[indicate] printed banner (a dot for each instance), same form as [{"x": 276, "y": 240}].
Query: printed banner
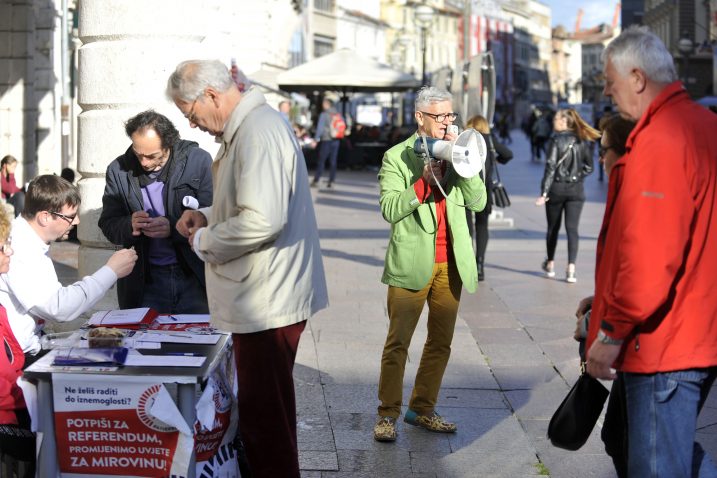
[
  {"x": 110, "y": 426},
  {"x": 217, "y": 422}
]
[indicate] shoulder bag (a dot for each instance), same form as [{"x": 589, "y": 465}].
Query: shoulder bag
[
  {"x": 499, "y": 195},
  {"x": 575, "y": 418}
]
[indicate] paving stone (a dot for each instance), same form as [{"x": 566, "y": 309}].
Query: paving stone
[
  {"x": 351, "y": 398},
  {"x": 465, "y": 463},
  {"x": 505, "y": 354},
  {"x": 470, "y": 398},
  {"x": 310, "y": 474},
  {"x": 318, "y": 460},
  {"x": 469, "y": 376},
  {"x": 504, "y": 336},
  {"x": 539, "y": 402},
  {"x": 358, "y": 474},
  {"x": 387, "y": 463},
  {"x": 525, "y": 377}
]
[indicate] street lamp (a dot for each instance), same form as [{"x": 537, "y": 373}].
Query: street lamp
[
  {"x": 685, "y": 47},
  {"x": 423, "y": 16}
]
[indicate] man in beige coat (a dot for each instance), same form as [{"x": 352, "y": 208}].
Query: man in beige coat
[{"x": 260, "y": 242}]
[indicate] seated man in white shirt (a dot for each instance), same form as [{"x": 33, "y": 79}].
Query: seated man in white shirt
[{"x": 30, "y": 290}]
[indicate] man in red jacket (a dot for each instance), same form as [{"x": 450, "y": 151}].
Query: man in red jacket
[{"x": 654, "y": 315}]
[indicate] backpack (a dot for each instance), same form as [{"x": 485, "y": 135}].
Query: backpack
[{"x": 337, "y": 127}]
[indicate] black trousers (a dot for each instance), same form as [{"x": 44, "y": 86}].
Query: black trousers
[
  {"x": 481, "y": 228},
  {"x": 564, "y": 199}
]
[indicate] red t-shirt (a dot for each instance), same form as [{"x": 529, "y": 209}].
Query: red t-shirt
[{"x": 423, "y": 190}]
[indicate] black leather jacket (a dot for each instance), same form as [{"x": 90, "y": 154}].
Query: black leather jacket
[{"x": 576, "y": 165}]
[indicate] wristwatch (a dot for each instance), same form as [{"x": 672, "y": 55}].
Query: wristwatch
[{"x": 605, "y": 339}]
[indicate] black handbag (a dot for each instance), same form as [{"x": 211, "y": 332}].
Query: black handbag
[
  {"x": 499, "y": 195},
  {"x": 575, "y": 418}
]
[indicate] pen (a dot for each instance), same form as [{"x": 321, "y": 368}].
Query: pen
[{"x": 182, "y": 354}]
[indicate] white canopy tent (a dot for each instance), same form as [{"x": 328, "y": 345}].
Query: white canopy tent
[{"x": 346, "y": 72}]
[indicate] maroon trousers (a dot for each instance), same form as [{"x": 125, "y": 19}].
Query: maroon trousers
[{"x": 267, "y": 405}]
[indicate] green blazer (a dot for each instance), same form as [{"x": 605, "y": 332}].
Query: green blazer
[{"x": 412, "y": 249}]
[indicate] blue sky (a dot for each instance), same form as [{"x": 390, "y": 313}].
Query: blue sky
[{"x": 565, "y": 12}]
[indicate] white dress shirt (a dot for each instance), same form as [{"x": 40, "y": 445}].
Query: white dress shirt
[{"x": 30, "y": 289}]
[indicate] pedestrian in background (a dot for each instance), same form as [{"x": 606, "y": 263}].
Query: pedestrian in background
[
  {"x": 497, "y": 152},
  {"x": 260, "y": 242},
  {"x": 615, "y": 131},
  {"x": 540, "y": 133},
  {"x": 429, "y": 260},
  {"x": 569, "y": 161},
  {"x": 606, "y": 113},
  {"x": 504, "y": 129},
  {"x": 284, "y": 108},
  {"x": 11, "y": 192},
  {"x": 329, "y": 142},
  {"x": 143, "y": 199},
  {"x": 653, "y": 314}
]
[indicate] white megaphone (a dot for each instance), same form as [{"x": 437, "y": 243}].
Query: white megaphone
[{"x": 467, "y": 152}]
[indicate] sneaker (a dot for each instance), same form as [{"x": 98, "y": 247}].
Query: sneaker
[
  {"x": 314, "y": 184},
  {"x": 549, "y": 270},
  {"x": 432, "y": 422},
  {"x": 385, "y": 429},
  {"x": 570, "y": 276},
  {"x": 329, "y": 184}
]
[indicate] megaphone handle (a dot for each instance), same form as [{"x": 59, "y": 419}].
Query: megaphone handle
[{"x": 426, "y": 156}]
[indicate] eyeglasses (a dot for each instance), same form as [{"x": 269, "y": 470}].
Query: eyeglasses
[
  {"x": 190, "y": 116},
  {"x": 440, "y": 118},
  {"x": 603, "y": 150},
  {"x": 69, "y": 219}
]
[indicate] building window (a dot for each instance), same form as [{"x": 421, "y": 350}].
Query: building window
[
  {"x": 323, "y": 45},
  {"x": 296, "y": 49},
  {"x": 324, "y": 5}
]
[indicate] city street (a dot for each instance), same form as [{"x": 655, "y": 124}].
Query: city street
[{"x": 513, "y": 357}]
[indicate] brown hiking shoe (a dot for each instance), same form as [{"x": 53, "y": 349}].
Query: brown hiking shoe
[
  {"x": 385, "y": 429},
  {"x": 433, "y": 422}
]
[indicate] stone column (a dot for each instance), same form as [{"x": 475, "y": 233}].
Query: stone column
[
  {"x": 129, "y": 48},
  {"x": 18, "y": 107},
  {"x": 48, "y": 87}
]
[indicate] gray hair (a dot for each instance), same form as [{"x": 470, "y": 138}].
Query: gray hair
[
  {"x": 637, "y": 47},
  {"x": 192, "y": 77},
  {"x": 431, "y": 94}
]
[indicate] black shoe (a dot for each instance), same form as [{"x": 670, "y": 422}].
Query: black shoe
[
  {"x": 481, "y": 272},
  {"x": 314, "y": 184},
  {"x": 329, "y": 184}
]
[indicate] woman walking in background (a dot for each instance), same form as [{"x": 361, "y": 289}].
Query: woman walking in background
[
  {"x": 496, "y": 152},
  {"x": 569, "y": 161}
]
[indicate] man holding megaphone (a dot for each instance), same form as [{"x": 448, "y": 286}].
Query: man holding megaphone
[{"x": 429, "y": 259}]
